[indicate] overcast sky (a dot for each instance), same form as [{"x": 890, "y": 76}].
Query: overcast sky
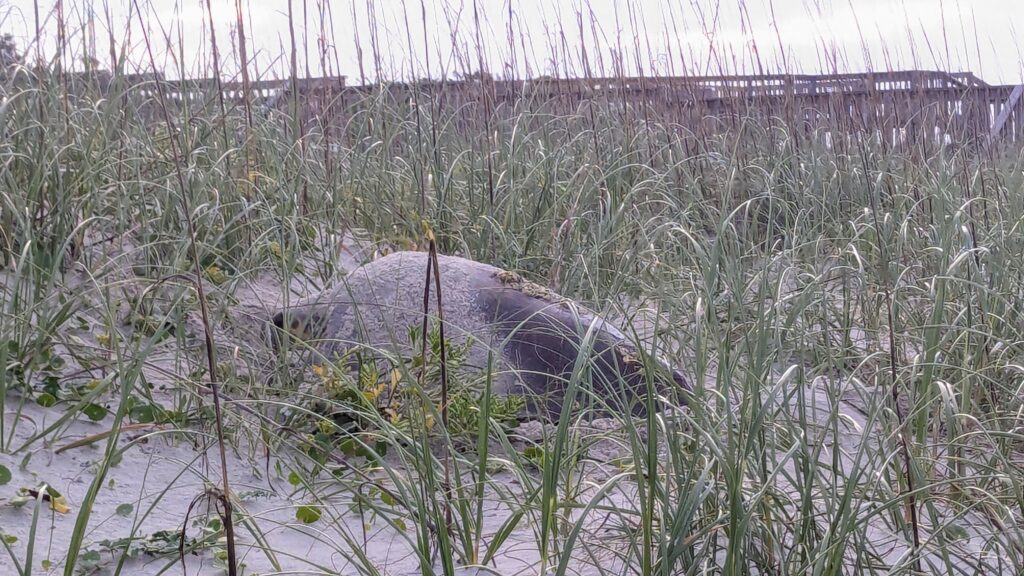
[{"x": 659, "y": 36}]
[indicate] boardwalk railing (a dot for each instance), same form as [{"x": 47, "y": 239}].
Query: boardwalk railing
[{"x": 900, "y": 106}]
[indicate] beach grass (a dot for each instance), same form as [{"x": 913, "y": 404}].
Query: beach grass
[{"x": 847, "y": 310}]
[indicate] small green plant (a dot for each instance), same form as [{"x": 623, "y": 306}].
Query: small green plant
[
  {"x": 465, "y": 406},
  {"x": 159, "y": 544},
  {"x": 348, "y": 395}
]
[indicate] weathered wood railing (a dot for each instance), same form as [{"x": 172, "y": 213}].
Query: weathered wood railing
[{"x": 901, "y": 106}]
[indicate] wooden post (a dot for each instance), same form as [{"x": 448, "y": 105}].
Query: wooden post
[{"x": 1004, "y": 114}]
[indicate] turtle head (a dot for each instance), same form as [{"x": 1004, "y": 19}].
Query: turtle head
[{"x": 301, "y": 322}]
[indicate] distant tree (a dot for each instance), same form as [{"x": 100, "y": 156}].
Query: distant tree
[{"x": 479, "y": 76}]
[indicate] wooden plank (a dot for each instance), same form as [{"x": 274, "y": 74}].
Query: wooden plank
[{"x": 1004, "y": 114}]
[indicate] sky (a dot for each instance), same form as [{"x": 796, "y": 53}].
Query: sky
[{"x": 403, "y": 39}]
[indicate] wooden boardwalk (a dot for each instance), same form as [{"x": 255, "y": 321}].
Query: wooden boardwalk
[{"x": 912, "y": 106}]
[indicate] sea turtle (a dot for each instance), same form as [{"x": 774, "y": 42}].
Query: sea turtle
[{"x": 534, "y": 333}]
